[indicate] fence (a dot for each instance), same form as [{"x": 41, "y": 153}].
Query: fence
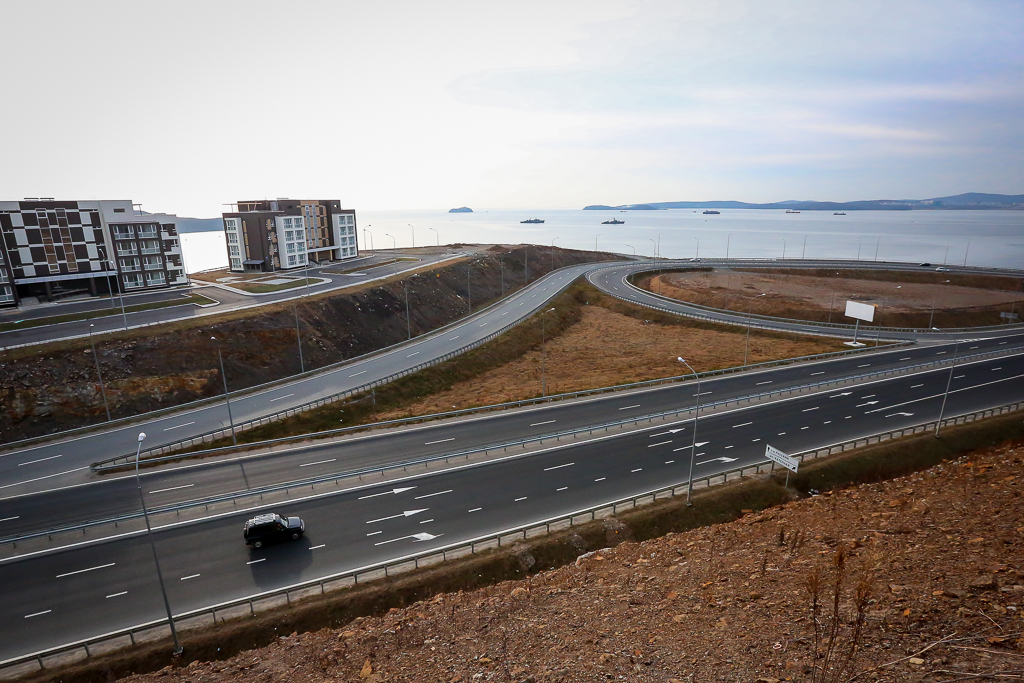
[{"x": 248, "y": 605}]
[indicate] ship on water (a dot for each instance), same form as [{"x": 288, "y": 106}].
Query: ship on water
[
  {"x": 791, "y": 211},
  {"x": 533, "y": 220},
  {"x": 614, "y": 221},
  {"x": 839, "y": 213},
  {"x": 712, "y": 213}
]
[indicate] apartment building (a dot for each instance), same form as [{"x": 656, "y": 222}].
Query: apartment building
[
  {"x": 51, "y": 249},
  {"x": 270, "y": 235}
]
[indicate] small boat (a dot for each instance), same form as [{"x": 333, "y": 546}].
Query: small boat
[
  {"x": 709, "y": 212},
  {"x": 791, "y": 211},
  {"x": 614, "y": 221},
  {"x": 839, "y": 213},
  {"x": 533, "y": 220}
]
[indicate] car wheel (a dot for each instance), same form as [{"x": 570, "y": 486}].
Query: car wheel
[
  {"x": 295, "y": 536},
  {"x": 257, "y": 544}
]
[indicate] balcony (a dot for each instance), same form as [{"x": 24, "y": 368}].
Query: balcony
[
  {"x": 155, "y": 279},
  {"x": 154, "y": 266},
  {"x": 150, "y": 250},
  {"x": 127, "y": 252},
  {"x": 132, "y": 284},
  {"x": 148, "y": 233},
  {"x": 130, "y": 269}
]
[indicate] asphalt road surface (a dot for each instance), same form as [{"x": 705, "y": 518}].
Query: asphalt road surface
[{"x": 57, "y": 597}]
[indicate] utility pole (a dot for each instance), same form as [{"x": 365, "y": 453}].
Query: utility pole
[
  {"x": 227, "y": 396},
  {"x": 99, "y": 374},
  {"x": 693, "y": 447},
  {"x": 298, "y": 338},
  {"x": 949, "y": 381}
]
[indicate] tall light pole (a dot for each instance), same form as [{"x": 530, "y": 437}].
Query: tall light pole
[
  {"x": 553, "y": 252},
  {"x": 783, "y": 249},
  {"x": 693, "y": 448},
  {"x": 803, "y": 252},
  {"x": 412, "y": 231},
  {"x": 408, "y": 319},
  {"x": 746, "y": 344},
  {"x": 152, "y": 546},
  {"x": 946, "y": 254},
  {"x": 931, "y": 317},
  {"x": 659, "y": 243},
  {"x": 120, "y": 293},
  {"x": 469, "y": 286},
  {"x": 305, "y": 260},
  {"x": 633, "y": 248},
  {"x": 298, "y": 338},
  {"x": 949, "y": 381},
  {"x": 858, "y": 250},
  {"x": 595, "y": 245},
  {"x": 543, "y": 355},
  {"x": 728, "y": 239},
  {"x": 697, "y": 255},
  {"x": 394, "y": 243},
  {"x": 110, "y": 285},
  {"x": 365, "y": 233},
  {"x": 966, "y": 252},
  {"x": 654, "y": 248},
  {"x": 878, "y": 243},
  {"x": 99, "y": 374},
  {"x": 437, "y": 235},
  {"x": 526, "y": 264},
  {"x": 227, "y": 396}
]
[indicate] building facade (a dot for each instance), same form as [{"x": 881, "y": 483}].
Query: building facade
[
  {"x": 270, "y": 235},
  {"x": 50, "y": 249}
]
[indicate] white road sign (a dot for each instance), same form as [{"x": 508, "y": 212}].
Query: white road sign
[
  {"x": 778, "y": 457},
  {"x": 865, "y": 312}
]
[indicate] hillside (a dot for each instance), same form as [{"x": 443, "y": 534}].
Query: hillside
[{"x": 969, "y": 200}]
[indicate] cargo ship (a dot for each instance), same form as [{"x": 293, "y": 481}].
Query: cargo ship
[
  {"x": 710, "y": 212},
  {"x": 533, "y": 220},
  {"x": 614, "y": 221}
]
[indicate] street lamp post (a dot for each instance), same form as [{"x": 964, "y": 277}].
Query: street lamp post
[
  {"x": 469, "y": 286},
  {"x": 697, "y": 255},
  {"x": 305, "y": 259},
  {"x": 120, "y": 294},
  {"x": 949, "y": 381},
  {"x": 365, "y": 233},
  {"x": 728, "y": 239},
  {"x": 746, "y": 344},
  {"x": 595, "y": 245},
  {"x": 878, "y": 243},
  {"x": 408, "y": 319},
  {"x": 526, "y": 265},
  {"x": 394, "y": 242},
  {"x": 437, "y": 235},
  {"x": 858, "y": 250},
  {"x": 552, "y": 253},
  {"x": 298, "y": 338},
  {"x": 99, "y": 374},
  {"x": 227, "y": 396},
  {"x": 412, "y": 231},
  {"x": 803, "y": 252},
  {"x": 654, "y": 248},
  {"x": 633, "y": 248},
  {"x": 543, "y": 355},
  {"x": 967, "y": 251},
  {"x": 783, "y": 249},
  {"x": 693, "y": 447},
  {"x": 152, "y": 546},
  {"x": 946, "y": 254}
]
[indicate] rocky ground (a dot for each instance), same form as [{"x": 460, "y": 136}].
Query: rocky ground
[{"x": 915, "y": 579}]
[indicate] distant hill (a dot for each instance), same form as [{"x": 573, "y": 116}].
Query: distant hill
[
  {"x": 199, "y": 224},
  {"x": 968, "y": 200},
  {"x": 461, "y": 209}
]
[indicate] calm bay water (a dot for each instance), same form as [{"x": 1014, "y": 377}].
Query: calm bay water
[{"x": 996, "y": 237}]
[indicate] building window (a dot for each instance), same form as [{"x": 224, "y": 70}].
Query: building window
[
  {"x": 123, "y": 232},
  {"x": 133, "y": 281},
  {"x": 232, "y": 238},
  {"x": 155, "y": 278},
  {"x": 150, "y": 247},
  {"x": 233, "y": 250},
  {"x": 153, "y": 263},
  {"x": 236, "y": 264},
  {"x": 147, "y": 231},
  {"x": 129, "y": 265}
]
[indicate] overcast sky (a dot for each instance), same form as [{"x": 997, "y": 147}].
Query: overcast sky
[{"x": 185, "y": 106}]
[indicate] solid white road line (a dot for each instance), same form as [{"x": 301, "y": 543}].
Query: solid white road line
[
  {"x": 182, "y": 425},
  {"x": 115, "y": 595},
  {"x": 173, "y": 488},
  {"x": 38, "y": 614},
  {"x": 318, "y": 462},
  {"x": 558, "y": 467},
  {"x": 430, "y": 495},
  {"x": 374, "y": 533},
  {"x": 426, "y": 521},
  {"x": 279, "y": 398},
  {"x": 32, "y": 462},
  {"x": 361, "y": 372},
  {"x": 262, "y": 559},
  {"x": 82, "y": 571},
  {"x": 628, "y": 407},
  {"x": 190, "y": 576},
  {"x": 429, "y": 443},
  {"x": 538, "y": 424}
]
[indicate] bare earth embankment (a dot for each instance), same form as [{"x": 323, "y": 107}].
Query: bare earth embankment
[{"x": 930, "y": 589}]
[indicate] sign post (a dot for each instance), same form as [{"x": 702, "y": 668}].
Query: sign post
[
  {"x": 777, "y": 456},
  {"x": 859, "y": 311}
]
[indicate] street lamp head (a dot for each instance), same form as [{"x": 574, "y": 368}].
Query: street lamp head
[
  {"x": 680, "y": 359},
  {"x": 142, "y": 436}
]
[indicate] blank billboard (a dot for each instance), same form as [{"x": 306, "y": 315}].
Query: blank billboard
[{"x": 865, "y": 312}]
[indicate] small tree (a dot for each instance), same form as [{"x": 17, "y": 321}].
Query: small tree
[{"x": 836, "y": 646}]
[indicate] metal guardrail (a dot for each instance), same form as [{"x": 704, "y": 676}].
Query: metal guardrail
[
  {"x": 273, "y": 383},
  {"x": 404, "y": 465},
  {"x": 147, "y": 455},
  {"x": 247, "y": 606},
  {"x": 769, "y": 318}
]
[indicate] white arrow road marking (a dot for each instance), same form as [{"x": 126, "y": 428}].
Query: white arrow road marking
[
  {"x": 422, "y": 536},
  {"x": 869, "y": 403},
  {"x": 845, "y": 393},
  {"x": 671, "y": 431},
  {"x": 717, "y": 460},
  {"x": 698, "y": 444},
  {"x": 385, "y": 493},
  {"x": 904, "y": 414},
  {"x": 407, "y": 513}
]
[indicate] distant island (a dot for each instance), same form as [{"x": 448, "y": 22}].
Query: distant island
[
  {"x": 461, "y": 209},
  {"x": 969, "y": 200}
]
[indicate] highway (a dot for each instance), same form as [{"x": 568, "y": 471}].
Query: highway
[
  {"x": 56, "y": 597},
  {"x": 103, "y": 497}
]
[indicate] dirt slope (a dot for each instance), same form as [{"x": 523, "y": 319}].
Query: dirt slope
[{"x": 937, "y": 555}]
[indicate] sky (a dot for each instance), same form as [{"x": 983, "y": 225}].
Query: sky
[{"x": 187, "y": 106}]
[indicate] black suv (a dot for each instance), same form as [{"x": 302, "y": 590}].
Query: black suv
[{"x": 270, "y": 527}]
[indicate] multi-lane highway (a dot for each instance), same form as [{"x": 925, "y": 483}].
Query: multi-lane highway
[{"x": 55, "y": 597}]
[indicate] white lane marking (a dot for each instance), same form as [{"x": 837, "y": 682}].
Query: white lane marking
[
  {"x": 807, "y": 410},
  {"x": 817, "y": 373},
  {"x": 519, "y": 499},
  {"x": 827, "y": 422},
  {"x": 82, "y": 571},
  {"x": 358, "y": 373},
  {"x": 32, "y": 462},
  {"x": 727, "y": 447},
  {"x": 702, "y": 393},
  {"x": 916, "y": 386},
  {"x": 971, "y": 347},
  {"x": 993, "y": 369},
  {"x": 868, "y": 396},
  {"x": 669, "y": 462},
  {"x": 116, "y": 595},
  {"x": 683, "y": 448},
  {"x": 903, "y": 414},
  {"x": 318, "y": 462},
  {"x": 628, "y": 407},
  {"x": 939, "y": 353},
  {"x": 805, "y": 428},
  {"x": 908, "y": 357},
  {"x": 9, "y": 519},
  {"x": 760, "y": 383},
  {"x": 426, "y": 521},
  {"x": 848, "y": 417},
  {"x": 414, "y": 353},
  {"x": 845, "y": 393},
  {"x": 754, "y": 440},
  {"x": 190, "y": 576},
  {"x": 422, "y": 536},
  {"x": 429, "y": 443},
  {"x": 429, "y": 495},
  {"x": 742, "y": 425},
  {"x": 869, "y": 403},
  {"x": 38, "y": 614},
  {"x": 959, "y": 376},
  {"x": 262, "y": 559},
  {"x": 660, "y": 443},
  {"x": 671, "y": 431},
  {"x": 406, "y": 513},
  {"x": 505, "y": 313},
  {"x": 639, "y": 469},
  {"x": 317, "y": 547},
  {"x": 483, "y": 324},
  {"x": 705, "y": 462},
  {"x": 374, "y": 533},
  {"x": 454, "y": 338},
  {"x": 475, "y": 510},
  {"x": 538, "y": 424},
  {"x": 1001, "y": 343},
  {"x": 781, "y": 434},
  {"x": 601, "y": 479},
  {"x": 558, "y": 467},
  {"x": 173, "y": 488},
  {"x": 279, "y": 398},
  {"x": 561, "y": 489},
  {"x": 386, "y": 493},
  {"x": 866, "y": 365}
]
